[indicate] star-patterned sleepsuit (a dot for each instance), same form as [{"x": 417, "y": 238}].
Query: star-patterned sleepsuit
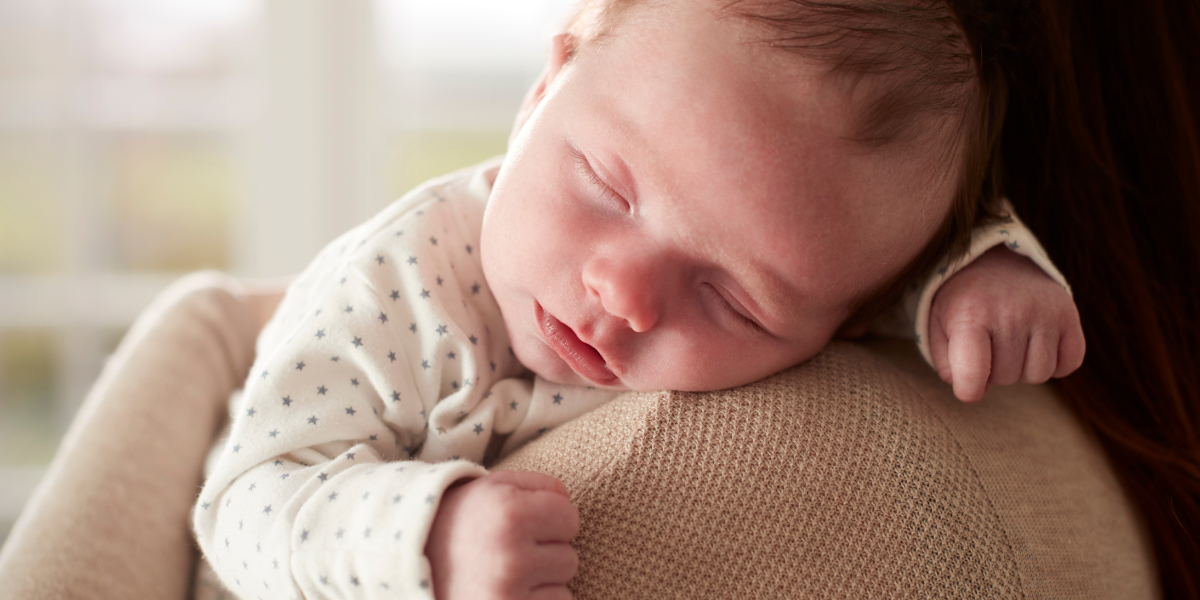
[{"x": 384, "y": 376}]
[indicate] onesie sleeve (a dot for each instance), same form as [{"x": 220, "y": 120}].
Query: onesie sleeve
[
  {"x": 910, "y": 319},
  {"x": 384, "y": 377}
]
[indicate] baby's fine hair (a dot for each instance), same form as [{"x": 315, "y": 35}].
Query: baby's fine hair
[{"x": 909, "y": 66}]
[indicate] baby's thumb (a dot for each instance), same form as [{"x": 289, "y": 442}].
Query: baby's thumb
[
  {"x": 970, "y": 358},
  {"x": 530, "y": 481},
  {"x": 938, "y": 348}
]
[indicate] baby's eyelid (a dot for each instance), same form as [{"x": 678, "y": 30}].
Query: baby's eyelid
[
  {"x": 585, "y": 166},
  {"x": 733, "y": 311}
]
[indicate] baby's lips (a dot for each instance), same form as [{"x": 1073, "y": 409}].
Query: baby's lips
[{"x": 579, "y": 355}]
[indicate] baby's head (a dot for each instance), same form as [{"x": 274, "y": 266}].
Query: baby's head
[{"x": 700, "y": 193}]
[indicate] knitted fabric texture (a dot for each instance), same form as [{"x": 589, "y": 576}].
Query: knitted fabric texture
[{"x": 837, "y": 479}]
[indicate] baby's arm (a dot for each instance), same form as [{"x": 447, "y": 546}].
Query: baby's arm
[
  {"x": 1000, "y": 315},
  {"x": 389, "y": 347}
]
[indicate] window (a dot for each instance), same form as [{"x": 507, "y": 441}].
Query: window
[{"x": 142, "y": 139}]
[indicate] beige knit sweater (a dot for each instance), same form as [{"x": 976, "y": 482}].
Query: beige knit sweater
[{"x": 855, "y": 475}]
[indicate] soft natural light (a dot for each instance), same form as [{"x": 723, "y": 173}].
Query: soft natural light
[
  {"x": 472, "y": 35},
  {"x": 168, "y": 35},
  {"x": 142, "y": 139}
]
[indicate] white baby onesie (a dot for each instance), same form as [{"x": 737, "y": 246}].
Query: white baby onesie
[{"x": 385, "y": 376}]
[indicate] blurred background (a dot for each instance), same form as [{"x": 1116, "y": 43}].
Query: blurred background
[{"x": 143, "y": 139}]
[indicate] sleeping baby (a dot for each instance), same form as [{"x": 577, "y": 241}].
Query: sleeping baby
[{"x": 698, "y": 194}]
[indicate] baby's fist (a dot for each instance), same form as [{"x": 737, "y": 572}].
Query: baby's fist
[
  {"x": 504, "y": 535},
  {"x": 1002, "y": 320}
]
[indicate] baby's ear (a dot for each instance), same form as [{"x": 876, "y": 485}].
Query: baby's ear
[{"x": 562, "y": 47}]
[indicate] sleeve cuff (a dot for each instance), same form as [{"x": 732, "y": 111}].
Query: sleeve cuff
[{"x": 1008, "y": 230}]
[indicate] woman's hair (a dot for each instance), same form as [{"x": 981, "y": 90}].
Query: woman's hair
[
  {"x": 1101, "y": 156},
  {"x": 1086, "y": 115}
]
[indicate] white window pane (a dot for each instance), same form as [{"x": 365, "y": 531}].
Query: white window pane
[
  {"x": 30, "y": 204},
  {"x": 193, "y": 37},
  {"x": 173, "y": 201},
  {"x": 423, "y": 155},
  {"x": 29, "y": 430},
  {"x": 463, "y": 64},
  {"x": 446, "y": 35}
]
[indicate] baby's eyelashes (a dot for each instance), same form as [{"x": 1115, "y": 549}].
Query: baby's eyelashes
[
  {"x": 730, "y": 312},
  {"x": 589, "y": 174}
]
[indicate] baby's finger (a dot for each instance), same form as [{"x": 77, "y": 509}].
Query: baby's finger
[
  {"x": 555, "y": 564},
  {"x": 556, "y": 592},
  {"x": 1008, "y": 356},
  {"x": 1041, "y": 357},
  {"x": 939, "y": 346},
  {"x": 1071, "y": 349},
  {"x": 970, "y": 356},
  {"x": 530, "y": 480},
  {"x": 552, "y": 518},
  {"x": 939, "y": 349}
]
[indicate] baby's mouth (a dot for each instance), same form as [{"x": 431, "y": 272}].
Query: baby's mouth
[{"x": 579, "y": 355}]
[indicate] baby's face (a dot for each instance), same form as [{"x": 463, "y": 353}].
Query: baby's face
[{"x": 682, "y": 210}]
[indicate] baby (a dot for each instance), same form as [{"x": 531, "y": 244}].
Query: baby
[{"x": 688, "y": 203}]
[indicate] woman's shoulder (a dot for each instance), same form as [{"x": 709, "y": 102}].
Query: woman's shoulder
[{"x": 856, "y": 471}]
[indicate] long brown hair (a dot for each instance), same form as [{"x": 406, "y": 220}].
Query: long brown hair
[{"x": 1101, "y": 157}]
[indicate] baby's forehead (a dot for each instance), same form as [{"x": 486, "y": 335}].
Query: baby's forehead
[{"x": 905, "y": 68}]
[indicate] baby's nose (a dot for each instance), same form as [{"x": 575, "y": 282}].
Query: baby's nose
[{"x": 627, "y": 289}]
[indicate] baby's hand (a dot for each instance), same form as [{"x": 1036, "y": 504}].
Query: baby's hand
[
  {"x": 504, "y": 535},
  {"x": 1002, "y": 320}
]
